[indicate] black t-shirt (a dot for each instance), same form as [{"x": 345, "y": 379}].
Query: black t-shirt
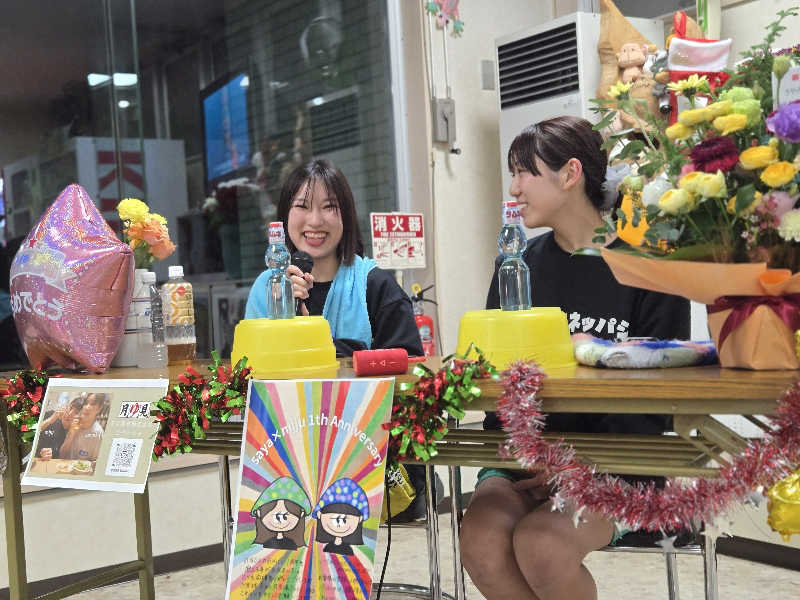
[
  {"x": 596, "y": 303},
  {"x": 52, "y": 437},
  {"x": 390, "y": 315}
]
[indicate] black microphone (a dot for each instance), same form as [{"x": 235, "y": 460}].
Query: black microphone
[{"x": 304, "y": 262}]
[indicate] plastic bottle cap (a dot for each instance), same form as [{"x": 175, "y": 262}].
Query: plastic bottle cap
[
  {"x": 149, "y": 277},
  {"x": 175, "y": 271}
]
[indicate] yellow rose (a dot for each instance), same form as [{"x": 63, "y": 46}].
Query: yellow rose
[
  {"x": 712, "y": 185},
  {"x": 675, "y": 201},
  {"x": 678, "y": 131},
  {"x": 690, "y": 181},
  {"x": 730, "y": 123},
  {"x": 778, "y": 174},
  {"x": 693, "y": 116},
  {"x": 133, "y": 210},
  {"x": 758, "y": 157},
  {"x": 159, "y": 218},
  {"x": 732, "y": 205},
  {"x": 720, "y": 109}
]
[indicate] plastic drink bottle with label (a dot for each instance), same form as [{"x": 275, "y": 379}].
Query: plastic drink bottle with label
[
  {"x": 152, "y": 349},
  {"x": 280, "y": 297},
  {"x": 178, "y": 306},
  {"x": 514, "y": 276}
]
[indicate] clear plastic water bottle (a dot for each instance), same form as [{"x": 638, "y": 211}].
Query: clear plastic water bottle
[
  {"x": 514, "y": 276},
  {"x": 280, "y": 297},
  {"x": 152, "y": 349}
]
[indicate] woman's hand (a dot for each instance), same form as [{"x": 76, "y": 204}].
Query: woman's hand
[
  {"x": 301, "y": 283},
  {"x": 536, "y": 487}
]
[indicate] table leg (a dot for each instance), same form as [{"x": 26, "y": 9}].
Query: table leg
[
  {"x": 144, "y": 544},
  {"x": 710, "y": 567},
  {"x": 15, "y": 532},
  {"x": 454, "y": 476},
  {"x": 227, "y": 515},
  {"x": 433, "y": 533}
]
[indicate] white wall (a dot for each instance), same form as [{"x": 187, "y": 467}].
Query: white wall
[
  {"x": 746, "y": 24},
  {"x": 466, "y": 187}
]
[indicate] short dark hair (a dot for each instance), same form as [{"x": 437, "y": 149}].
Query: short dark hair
[
  {"x": 336, "y": 184},
  {"x": 557, "y": 140},
  {"x": 296, "y": 534}
]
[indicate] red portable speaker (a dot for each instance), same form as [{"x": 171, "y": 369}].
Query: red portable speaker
[{"x": 392, "y": 361}]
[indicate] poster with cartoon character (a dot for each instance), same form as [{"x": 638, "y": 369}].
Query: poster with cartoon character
[{"x": 310, "y": 489}]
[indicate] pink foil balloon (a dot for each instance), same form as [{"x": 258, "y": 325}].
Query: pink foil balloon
[{"x": 71, "y": 286}]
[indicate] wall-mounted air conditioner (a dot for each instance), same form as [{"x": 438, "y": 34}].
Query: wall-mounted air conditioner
[{"x": 551, "y": 70}]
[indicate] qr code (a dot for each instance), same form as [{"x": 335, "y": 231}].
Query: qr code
[{"x": 123, "y": 457}]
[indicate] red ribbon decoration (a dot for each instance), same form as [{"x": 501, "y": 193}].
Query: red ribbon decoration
[{"x": 786, "y": 307}]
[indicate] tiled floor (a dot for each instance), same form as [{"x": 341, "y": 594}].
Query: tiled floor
[{"x": 619, "y": 576}]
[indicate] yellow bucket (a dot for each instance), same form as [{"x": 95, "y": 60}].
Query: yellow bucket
[
  {"x": 298, "y": 348},
  {"x": 540, "y": 334}
]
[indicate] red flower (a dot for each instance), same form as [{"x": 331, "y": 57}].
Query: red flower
[{"x": 715, "y": 154}]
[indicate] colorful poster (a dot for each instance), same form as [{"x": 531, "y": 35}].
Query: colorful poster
[
  {"x": 310, "y": 489},
  {"x": 95, "y": 434}
]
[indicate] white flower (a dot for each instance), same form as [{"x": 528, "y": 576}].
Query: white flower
[
  {"x": 210, "y": 204},
  {"x": 789, "y": 228},
  {"x": 655, "y": 189}
]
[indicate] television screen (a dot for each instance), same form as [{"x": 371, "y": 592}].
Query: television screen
[{"x": 226, "y": 138}]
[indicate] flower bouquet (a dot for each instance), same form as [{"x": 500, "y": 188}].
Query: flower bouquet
[
  {"x": 718, "y": 187},
  {"x": 145, "y": 232}
]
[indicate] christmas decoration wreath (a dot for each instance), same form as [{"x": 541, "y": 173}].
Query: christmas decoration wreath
[
  {"x": 186, "y": 412},
  {"x": 418, "y": 420}
]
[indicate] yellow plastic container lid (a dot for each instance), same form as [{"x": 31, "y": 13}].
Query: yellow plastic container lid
[
  {"x": 298, "y": 348},
  {"x": 540, "y": 334}
]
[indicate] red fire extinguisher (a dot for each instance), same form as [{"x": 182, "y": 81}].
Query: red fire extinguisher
[{"x": 423, "y": 321}]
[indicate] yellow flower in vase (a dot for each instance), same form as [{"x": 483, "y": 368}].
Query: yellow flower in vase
[
  {"x": 758, "y": 157},
  {"x": 133, "y": 210},
  {"x": 730, "y": 123},
  {"x": 778, "y": 174}
]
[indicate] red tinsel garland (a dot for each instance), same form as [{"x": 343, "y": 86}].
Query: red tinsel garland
[
  {"x": 186, "y": 412},
  {"x": 643, "y": 506}
]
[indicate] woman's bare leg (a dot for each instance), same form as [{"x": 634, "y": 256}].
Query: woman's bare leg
[
  {"x": 486, "y": 539},
  {"x": 549, "y": 551}
]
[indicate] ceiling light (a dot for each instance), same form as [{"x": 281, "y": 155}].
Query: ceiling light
[
  {"x": 96, "y": 79},
  {"x": 124, "y": 104},
  {"x": 120, "y": 79},
  {"x": 125, "y": 79}
]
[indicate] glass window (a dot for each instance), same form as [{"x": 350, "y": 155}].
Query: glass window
[{"x": 173, "y": 102}]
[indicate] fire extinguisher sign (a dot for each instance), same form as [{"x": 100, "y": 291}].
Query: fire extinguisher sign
[{"x": 398, "y": 240}]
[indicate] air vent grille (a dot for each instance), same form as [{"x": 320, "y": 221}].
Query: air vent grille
[{"x": 539, "y": 66}]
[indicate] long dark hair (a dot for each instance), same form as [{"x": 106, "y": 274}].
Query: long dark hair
[
  {"x": 336, "y": 185},
  {"x": 297, "y": 534},
  {"x": 557, "y": 140}
]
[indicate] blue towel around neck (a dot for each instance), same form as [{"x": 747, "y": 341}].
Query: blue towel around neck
[{"x": 346, "y": 305}]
